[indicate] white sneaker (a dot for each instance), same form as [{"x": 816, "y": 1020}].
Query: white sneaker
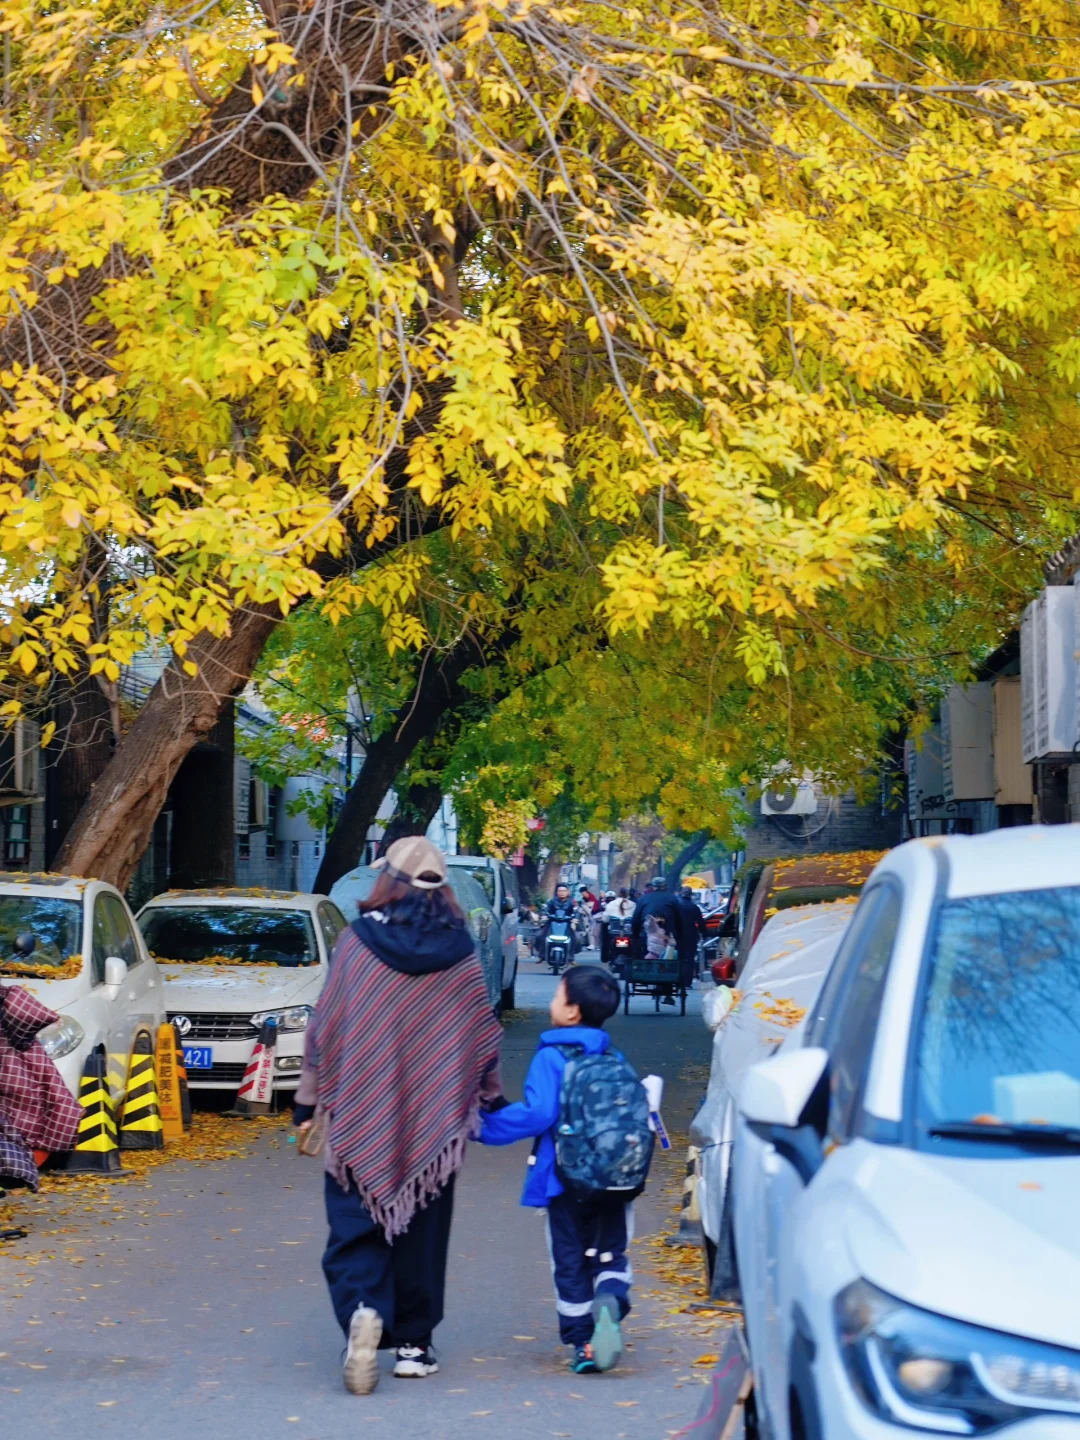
[
  {"x": 415, "y": 1361},
  {"x": 362, "y": 1357}
]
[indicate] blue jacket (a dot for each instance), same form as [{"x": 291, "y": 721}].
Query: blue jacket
[{"x": 538, "y": 1113}]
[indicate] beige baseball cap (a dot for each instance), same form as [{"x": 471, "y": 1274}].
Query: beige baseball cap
[{"x": 416, "y": 860}]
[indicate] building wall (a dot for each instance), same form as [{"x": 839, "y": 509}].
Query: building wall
[{"x": 841, "y": 824}]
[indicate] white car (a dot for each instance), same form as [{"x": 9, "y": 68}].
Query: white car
[
  {"x": 232, "y": 958},
  {"x": 783, "y": 974},
  {"x": 75, "y": 944},
  {"x": 906, "y": 1171}
]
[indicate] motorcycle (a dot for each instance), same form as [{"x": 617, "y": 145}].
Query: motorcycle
[
  {"x": 558, "y": 945},
  {"x": 619, "y": 942}
]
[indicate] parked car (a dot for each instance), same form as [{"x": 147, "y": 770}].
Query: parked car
[
  {"x": 500, "y": 884},
  {"x": 765, "y": 886},
  {"x": 785, "y": 970},
  {"x": 75, "y": 944},
  {"x": 481, "y": 919},
  {"x": 230, "y": 960},
  {"x": 906, "y": 1170}
]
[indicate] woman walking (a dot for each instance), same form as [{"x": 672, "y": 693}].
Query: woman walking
[{"x": 401, "y": 1052}]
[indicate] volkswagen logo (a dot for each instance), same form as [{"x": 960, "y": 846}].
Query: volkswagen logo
[{"x": 183, "y": 1024}]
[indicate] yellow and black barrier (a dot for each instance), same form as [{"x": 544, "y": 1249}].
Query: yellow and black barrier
[
  {"x": 141, "y": 1127},
  {"x": 95, "y": 1151}
]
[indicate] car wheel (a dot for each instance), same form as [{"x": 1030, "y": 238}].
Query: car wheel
[
  {"x": 708, "y": 1250},
  {"x": 804, "y": 1418},
  {"x": 507, "y": 1000}
]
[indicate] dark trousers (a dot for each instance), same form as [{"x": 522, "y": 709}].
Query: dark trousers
[
  {"x": 587, "y": 1241},
  {"x": 687, "y": 966},
  {"x": 405, "y": 1282}
]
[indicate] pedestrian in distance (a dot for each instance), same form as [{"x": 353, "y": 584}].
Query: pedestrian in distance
[
  {"x": 658, "y": 924},
  {"x": 693, "y": 931},
  {"x": 401, "y": 1054},
  {"x": 587, "y": 1114}
]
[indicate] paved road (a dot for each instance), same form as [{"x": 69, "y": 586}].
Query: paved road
[{"x": 194, "y": 1305}]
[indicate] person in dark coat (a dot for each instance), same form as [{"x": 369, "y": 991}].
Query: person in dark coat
[
  {"x": 693, "y": 931},
  {"x": 657, "y": 921}
]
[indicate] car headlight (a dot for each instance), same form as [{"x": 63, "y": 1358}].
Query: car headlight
[
  {"x": 294, "y": 1019},
  {"x": 918, "y": 1369},
  {"x": 61, "y": 1038}
]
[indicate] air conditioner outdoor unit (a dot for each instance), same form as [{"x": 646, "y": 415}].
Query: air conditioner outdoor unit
[
  {"x": 1048, "y": 674},
  {"x": 789, "y": 797}
]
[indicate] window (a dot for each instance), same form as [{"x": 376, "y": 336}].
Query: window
[
  {"x": 54, "y": 925},
  {"x": 847, "y": 1020},
  {"x": 229, "y": 935},
  {"x": 243, "y": 850},
  {"x": 998, "y": 1044},
  {"x": 17, "y": 836},
  {"x": 331, "y": 923},
  {"x": 486, "y": 879},
  {"x": 112, "y": 936},
  {"x": 510, "y": 884}
]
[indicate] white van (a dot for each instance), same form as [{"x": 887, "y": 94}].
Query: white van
[{"x": 75, "y": 945}]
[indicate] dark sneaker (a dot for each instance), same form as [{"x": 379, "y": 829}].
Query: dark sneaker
[
  {"x": 607, "y": 1341},
  {"x": 583, "y": 1362},
  {"x": 667, "y": 1000},
  {"x": 362, "y": 1356},
  {"x": 414, "y": 1362}
]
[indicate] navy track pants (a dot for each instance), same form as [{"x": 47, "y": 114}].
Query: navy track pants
[{"x": 588, "y": 1241}]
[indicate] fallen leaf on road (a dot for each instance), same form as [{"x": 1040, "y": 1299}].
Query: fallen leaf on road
[
  {"x": 292, "y": 1419},
  {"x": 104, "y": 1404},
  {"x": 706, "y": 1359},
  {"x": 524, "y": 1337},
  {"x": 248, "y": 1332},
  {"x": 457, "y": 1392},
  {"x": 479, "y": 1412},
  {"x": 625, "y": 1404}
]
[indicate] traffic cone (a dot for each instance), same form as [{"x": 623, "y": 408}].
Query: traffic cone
[
  {"x": 95, "y": 1151},
  {"x": 689, "y": 1231},
  {"x": 140, "y": 1128},
  {"x": 257, "y": 1086},
  {"x": 181, "y": 1070},
  {"x": 168, "y": 1080}
]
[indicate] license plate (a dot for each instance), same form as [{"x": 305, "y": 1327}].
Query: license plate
[{"x": 198, "y": 1057}]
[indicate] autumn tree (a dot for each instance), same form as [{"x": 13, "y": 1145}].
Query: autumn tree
[{"x": 781, "y": 295}]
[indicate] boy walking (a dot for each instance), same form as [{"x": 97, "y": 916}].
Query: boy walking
[{"x": 588, "y": 1114}]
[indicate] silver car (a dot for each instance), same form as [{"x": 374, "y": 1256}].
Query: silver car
[{"x": 783, "y": 975}]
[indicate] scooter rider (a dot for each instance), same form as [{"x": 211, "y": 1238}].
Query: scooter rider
[{"x": 560, "y": 907}]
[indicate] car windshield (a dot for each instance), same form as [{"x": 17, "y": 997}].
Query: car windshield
[
  {"x": 40, "y": 937},
  {"x": 229, "y": 935},
  {"x": 1000, "y": 1034}
]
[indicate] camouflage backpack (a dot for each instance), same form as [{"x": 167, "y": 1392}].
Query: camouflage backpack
[{"x": 603, "y": 1143}]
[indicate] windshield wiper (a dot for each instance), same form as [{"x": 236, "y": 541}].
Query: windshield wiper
[{"x": 1051, "y": 1135}]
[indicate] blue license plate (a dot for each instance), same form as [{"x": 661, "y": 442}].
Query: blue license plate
[{"x": 198, "y": 1057}]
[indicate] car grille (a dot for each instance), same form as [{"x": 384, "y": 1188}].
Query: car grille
[
  {"x": 223, "y": 1074},
  {"x": 217, "y": 1027}
]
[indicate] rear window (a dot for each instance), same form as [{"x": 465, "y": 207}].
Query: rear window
[
  {"x": 40, "y": 938},
  {"x": 227, "y": 935}
]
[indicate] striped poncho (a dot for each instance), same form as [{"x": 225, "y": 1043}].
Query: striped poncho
[{"x": 400, "y": 1062}]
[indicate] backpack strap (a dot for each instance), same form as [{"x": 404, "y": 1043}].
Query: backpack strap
[{"x": 569, "y": 1051}]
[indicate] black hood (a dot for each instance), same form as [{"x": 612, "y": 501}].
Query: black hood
[{"x": 415, "y": 949}]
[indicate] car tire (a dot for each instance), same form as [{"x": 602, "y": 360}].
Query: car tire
[
  {"x": 506, "y": 1000},
  {"x": 804, "y": 1418}
]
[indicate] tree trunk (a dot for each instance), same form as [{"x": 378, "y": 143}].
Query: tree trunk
[
  {"x": 204, "y": 811},
  {"x": 438, "y": 692},
  {"x": 82, "y": 749},
  {"x": 114, "y": 827},
  {"x": 686, "y": 857},
  {"x": 417, "y": 807},
  {"x": 244, "y": 151},
  {"x": 549, "y": 876}
]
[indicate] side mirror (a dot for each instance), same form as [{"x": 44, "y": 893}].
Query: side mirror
[
  {"x": 729, "y": 929},
  {"x": 508, "y": 906},
  {"x": 778, "y": 1100},
  {"x": 115, "y": 971}
]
